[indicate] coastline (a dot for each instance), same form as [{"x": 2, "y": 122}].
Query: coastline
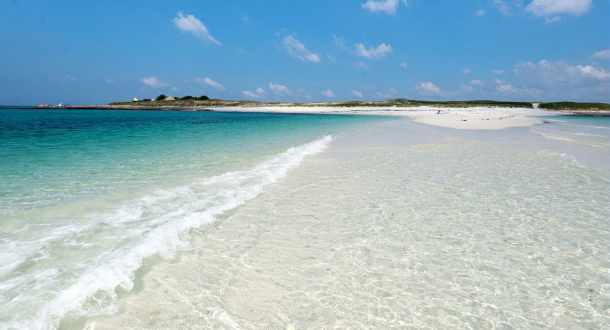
[{"x": 471, "y": 117}]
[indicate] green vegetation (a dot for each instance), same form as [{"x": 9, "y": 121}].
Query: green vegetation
[
  {"x": 575, "y": 106},
  {"x": 202, "y": 102}
]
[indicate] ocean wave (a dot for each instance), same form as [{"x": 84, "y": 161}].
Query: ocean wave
[{"x": 163, "y": 221}]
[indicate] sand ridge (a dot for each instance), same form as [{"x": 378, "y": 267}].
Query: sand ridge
[{"x": 478, "y": 118}]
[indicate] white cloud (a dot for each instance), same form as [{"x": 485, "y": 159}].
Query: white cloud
[
  {"x": 386, "y": 6},
  {"x": 593, "y": 72},
  {"x": 258, "y": 93},
  {"x": 373, "y": 53},
  {"x": 510, "y": 89},
  {"x": 175, "y": 89},
  {"x": 331, "y": 58},
  {"x": 605, "y": 54},
  {"x": 403, "y": 65},
  {"x": 384, "y": 95},
  {"x": 153, "y": 82},
  {"x": 564, "y": 80},
  {"x": 502, "y": 7},
  {"x": 427, "y": 88},
  {"x": 328, "y": 93},
  {"x": 497, "y": 71},
  {"x": 557, "y": 7},
  {"x": 280, "y": 89},
  {"x": 477, "y": 82},
  {"x": 559, "y": 73},
  {"x": 192, "y": 25},
  {"x": 480, "y": 12},
  {"x": 110, "y": 81},
  {"x": 356, "y": 94},
  {"x": 465, "y": 71},
  {"x": 214, "y": 84},
  {"x": 297, "y": 50},
  {"x": 551, "y": 20}
]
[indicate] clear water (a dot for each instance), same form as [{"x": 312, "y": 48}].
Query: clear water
[
  {"x": 87, "y": 197},
  {"x": 404, "y": 226},
  {"x": 389, "y": 224}
]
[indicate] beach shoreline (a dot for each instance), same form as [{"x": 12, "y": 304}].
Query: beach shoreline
[{"x": 477, "y": 118}]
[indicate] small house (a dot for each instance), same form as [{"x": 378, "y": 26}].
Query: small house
[
  {"x": 170, "y": 98},
  {"x": 135, "y": 99}
]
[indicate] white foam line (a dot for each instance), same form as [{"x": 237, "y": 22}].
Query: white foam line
[{"x": 116, "y": 269}]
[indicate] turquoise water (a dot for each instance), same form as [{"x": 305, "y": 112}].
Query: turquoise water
[{"x": 88, "y": 197}]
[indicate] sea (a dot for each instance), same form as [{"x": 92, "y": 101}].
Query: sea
[{"x": 212, "y": 220}]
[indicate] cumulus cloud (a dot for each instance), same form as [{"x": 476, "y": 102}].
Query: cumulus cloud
[
  {"x": 465, "y": 70},
  {"x": 559, "y": 73},
  {"x": 480, "y": 12},
  {"x": 558, "y": 7},
  {"x": 258, "y": 93},
  {"x": 403, "y": 65},
  {"x": 428, "y": 88},
  {"x": 214, "y": 84},
  {"x": 604, "y": 54},
  {"x": 328, "y": 93},
  {"x": 280, "y": 90},
  {"x": 297, "y": 50},
  {"x": 593, "y": 72},
  {"x": 477, "y": 82},
  {"x": 497, "y": 71},
  {"x": 373, "y": 53},
  {"x": 356, "y": 94},
  {"x": 192, "y": 25},
  {"x": 563, "y": 79},
  {"x": 153, "y": 82},
  {"x": 385, "y": 6}
]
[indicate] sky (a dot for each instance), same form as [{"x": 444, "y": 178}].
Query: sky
[{"x": 96, "y": 52}]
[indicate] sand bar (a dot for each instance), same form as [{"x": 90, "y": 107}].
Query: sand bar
[{"x": 479, "y": 118}]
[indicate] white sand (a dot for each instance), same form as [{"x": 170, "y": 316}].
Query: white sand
[{"x": 481, "y": 118}]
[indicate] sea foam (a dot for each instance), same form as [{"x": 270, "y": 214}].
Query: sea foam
[{"x": 164, "y": 221}]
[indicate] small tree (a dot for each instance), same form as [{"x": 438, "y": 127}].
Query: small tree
[
  {"x": 203, "y": 98},
  {"x": 161, "y": 97},
  {"x": 188, "y": 97}
]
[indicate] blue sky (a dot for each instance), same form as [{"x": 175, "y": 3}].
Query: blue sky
[{"x": 90, "y": 52}]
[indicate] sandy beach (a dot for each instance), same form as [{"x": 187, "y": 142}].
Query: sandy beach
[{"x": 481, "y": 118}]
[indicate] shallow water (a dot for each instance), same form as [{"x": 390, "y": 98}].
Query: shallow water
[
  {"x": 402, "y": 226},
  {"x": 389, "y": 225},
  {"x": 89, "y": 196}
]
